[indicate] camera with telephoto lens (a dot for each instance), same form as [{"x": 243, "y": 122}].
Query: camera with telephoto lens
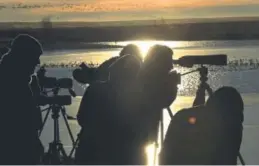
[
  {"x": 55, "y": 85},
  {"x": 56, "y": 99},
  {"x": 191, "y": 60},
  {"x": 52, "y": 82}
]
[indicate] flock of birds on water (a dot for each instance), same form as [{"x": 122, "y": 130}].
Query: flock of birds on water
[
  {"x": 36, "y": 6},
  {"x": 233, "y": 65},
  {"x": 190, "y": 82},
  {"x": 66, "y": 6}
]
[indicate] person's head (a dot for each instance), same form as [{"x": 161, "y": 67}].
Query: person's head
[
  {"x": 124, "y": 69},
  {"x": 24, "y": 54},
  {"x": 158, "y": 60},
  {"x": 131, "y": 49},
  {"x": 228, "y": 101}
]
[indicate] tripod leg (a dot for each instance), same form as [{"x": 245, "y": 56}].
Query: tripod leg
[
  {"x": 74, "y": 147},
  {"x": 162, "y": 137},
  {"x": 56, "y": 131},
  {"x": 162, "y": 127},
  {"x": 209, "y": 90},
  {"x": 67, "y": 125},
  {"x": 52, "y": 156},
  {"x": 44, "y": 121},
  {"x": 62, "y": 150},
  {"x": 170, "y": 112},
  {"x": 241, "y": 159},
  {"x": 155, "y": 152}
]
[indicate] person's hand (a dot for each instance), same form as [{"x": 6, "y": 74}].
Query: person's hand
[
  {"x": 170, "y": 90},
  {"x": 166, "y": 90}
]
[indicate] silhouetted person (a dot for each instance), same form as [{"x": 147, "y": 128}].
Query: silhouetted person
[
  {"x": 209, "y": 134},
  {"x": 141, "y": 104},
  {"x": 103, "y": 133},
  {"x": 19, "y": 141},
  {"x": 228, "y": 104},
  {"x": 159, "y": 87}
]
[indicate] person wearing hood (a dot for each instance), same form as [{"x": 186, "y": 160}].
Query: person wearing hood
[{"x": 19, "y": 141}]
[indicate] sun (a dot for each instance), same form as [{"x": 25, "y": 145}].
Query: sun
[{"x": 144, "y": 47}]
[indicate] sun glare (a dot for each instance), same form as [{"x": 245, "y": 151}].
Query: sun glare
[
  {"x": 144, "y": 47},
  {"x": 152, "y": 158}
]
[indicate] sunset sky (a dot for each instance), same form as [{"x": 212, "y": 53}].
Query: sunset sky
[{"x": 116, "y": 10}]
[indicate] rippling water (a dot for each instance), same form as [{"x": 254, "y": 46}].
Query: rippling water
[{"x": 234, "y": 49}]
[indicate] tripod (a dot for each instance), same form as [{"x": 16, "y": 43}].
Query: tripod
[{"x": 56, "y": 153}]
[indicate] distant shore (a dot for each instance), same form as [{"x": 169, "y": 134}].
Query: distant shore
[
  {"x": 85, "y": 37},
  {"x": 57, "y": 46},
  {"x": 233, "y": 30},
  {"x": 77, "y": 46}
]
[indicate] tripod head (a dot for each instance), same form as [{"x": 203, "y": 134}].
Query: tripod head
[
  {"x": 204, "y": 78},
  {"x": 203, "y": 87},
  {"x": 203, "y": 71},
  {"x": 54, "y": 98}
]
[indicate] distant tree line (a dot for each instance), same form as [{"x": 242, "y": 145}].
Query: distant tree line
[{"x": 193, "y": 31}]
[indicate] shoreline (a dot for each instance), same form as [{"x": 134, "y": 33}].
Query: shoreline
[
  {"x": 173, "y": 32},
  {"x": 74, "y": 45},
  {"x": 66, "y": 46}
]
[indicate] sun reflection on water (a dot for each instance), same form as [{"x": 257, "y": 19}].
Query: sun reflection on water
[{"x": 144, "y": 45}]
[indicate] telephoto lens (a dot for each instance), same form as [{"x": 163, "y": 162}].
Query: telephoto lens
[{"x": 190, "y": 60}]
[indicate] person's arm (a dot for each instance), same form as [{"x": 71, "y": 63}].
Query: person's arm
[{"x": 35, "y": 99}]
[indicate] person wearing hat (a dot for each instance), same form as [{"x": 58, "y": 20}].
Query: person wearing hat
[
  {"x": 19, "y": 141},
  {"x": 159, "y": 87}
]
